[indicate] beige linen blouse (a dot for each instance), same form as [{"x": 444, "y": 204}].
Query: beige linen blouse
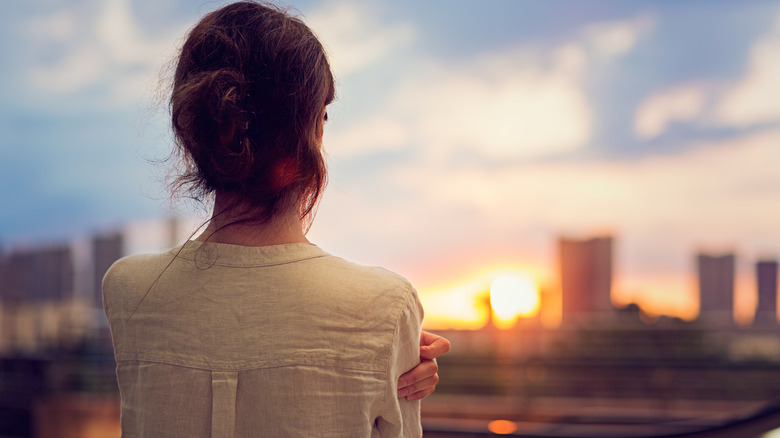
[{"x": 215, "y": 340}]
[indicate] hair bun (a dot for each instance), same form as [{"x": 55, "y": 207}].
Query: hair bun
[
  {"x": 248, "y": 93},
  {"x": 213, "y": 121}
]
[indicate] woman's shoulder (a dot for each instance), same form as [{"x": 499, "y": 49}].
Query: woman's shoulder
[
  {"x": 135, "y": 266},
  {"x": 358, "y": 274},
  {"x": 127, "y": 275}
]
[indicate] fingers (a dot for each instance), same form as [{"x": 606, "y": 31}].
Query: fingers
[
  {"x": 420, "y": 381},
  {"x": 432, "y": 346},
  {"x": 422, "y": 371},
  {"x": 420, "y": 389},
  {"x": 420, "y": 395},
  {"x": 427, "y": 338}
]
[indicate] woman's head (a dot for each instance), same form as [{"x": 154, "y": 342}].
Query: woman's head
[{"x": 249, "y": 92}]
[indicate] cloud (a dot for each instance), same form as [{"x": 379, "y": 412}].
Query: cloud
[
  {"x": 614, "y": 38},
  {"x": 754, "y": 97},
  {"x": 707, "y": 190},
  {"x": 501, "y": 106},
  {"x": 105, "y": 51},
  {"x": 680, "y": 103},
  {"x": 354, "y": 38},
  {"x": 715, "y": 194},
  {"x": 515, "y": 104},
  {"x": 745, "y": 102}
]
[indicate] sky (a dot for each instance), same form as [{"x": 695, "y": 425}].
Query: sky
[{"x": 466, "y": 138}]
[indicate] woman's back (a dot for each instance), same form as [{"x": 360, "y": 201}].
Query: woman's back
[
  {"x": 282, "y": 340},
  {"x": 251, "y": 331}
]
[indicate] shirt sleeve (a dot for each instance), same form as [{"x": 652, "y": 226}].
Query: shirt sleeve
[{"x": 400, "y": 417}]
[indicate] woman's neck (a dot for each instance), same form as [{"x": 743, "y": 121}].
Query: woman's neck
[{"x": 233, "y": 227}]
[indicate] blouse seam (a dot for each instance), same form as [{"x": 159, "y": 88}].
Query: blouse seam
[
  {"x": 262, "y": 265},
  {"x": 396, "y": 331},
  {"x": 188, "y": 257},
  {"x": 248, "y": 366}
]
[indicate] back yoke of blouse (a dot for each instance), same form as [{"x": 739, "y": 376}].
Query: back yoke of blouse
[{"x": 279, "y": 341}]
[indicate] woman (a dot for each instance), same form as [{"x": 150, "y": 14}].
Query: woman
[{"x": 250, "y": 330}]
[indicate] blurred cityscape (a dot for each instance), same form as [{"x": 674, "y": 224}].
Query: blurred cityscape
[{"x": 603, "y": 371}]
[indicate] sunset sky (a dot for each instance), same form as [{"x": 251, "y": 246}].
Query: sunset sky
[{"x": 466, "y": 138}]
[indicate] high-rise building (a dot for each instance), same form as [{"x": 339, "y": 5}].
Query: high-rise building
[
  {"x": 33, "y": 282},
  {"x": 42, "y": 274},
  {"x": 586, "y": 277},
  {"x": 106, "y": 249},
  {"x": 716, "y": 287},
  {"x": 766, "y": 279}
]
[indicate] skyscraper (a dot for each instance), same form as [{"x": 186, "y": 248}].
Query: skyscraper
[
  {"x": 41, "y": 274},
  {"x": 106, "y": 249},
  {"x": 716, "y": 287},
  {"x": 766, "y": 279},
  {"x": 33, "y": 282},
  {"x": 586, "y": 277}
]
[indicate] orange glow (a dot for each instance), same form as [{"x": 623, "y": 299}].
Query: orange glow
[
  {"x": 460, "y": 302},
  {"x": 454, "y": 307},
  {"x": 502, "y": 427},
  {"x": 656, "y": 295},
  {"x": 513, "y": 296}
]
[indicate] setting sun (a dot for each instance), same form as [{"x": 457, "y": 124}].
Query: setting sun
[{"x": 513, "y": 296}]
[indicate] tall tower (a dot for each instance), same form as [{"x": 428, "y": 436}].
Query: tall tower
[
  {"x": 38, "y": 275},
  {"x": 106, "y": 249},
  {"x": 586, "y": 277},
  {"x": 716, "y": 288},
  {"x": 766, "y": 279},
  {"x": 34, "y": 282}
]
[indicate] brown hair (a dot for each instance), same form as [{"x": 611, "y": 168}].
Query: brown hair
[{"x": 249, "y": 87}]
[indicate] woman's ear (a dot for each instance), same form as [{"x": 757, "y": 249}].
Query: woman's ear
[{"x": 321, "y": 124}]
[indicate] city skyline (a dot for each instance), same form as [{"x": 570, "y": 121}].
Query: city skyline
[
  {"x": 72, "y": 270},
  {"x": 461, "y": 144},
  {"x": 59, "y": 364}
]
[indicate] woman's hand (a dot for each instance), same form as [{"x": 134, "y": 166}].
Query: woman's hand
[{"x": 420, "y": 381}]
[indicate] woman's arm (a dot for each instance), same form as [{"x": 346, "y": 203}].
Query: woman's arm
[{"x": 420, "y": 381}]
